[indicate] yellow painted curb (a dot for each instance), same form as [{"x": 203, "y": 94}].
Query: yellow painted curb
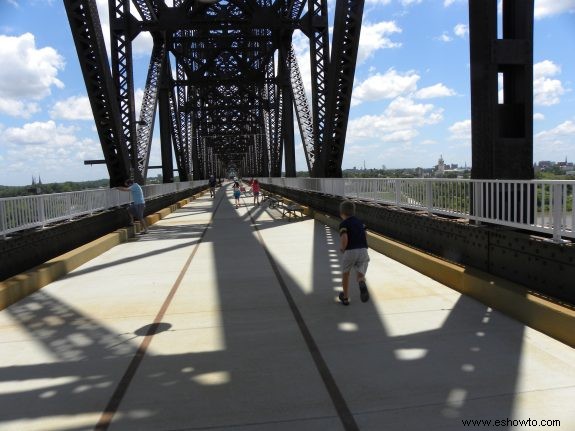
[
  {"x": 509, "y": 298},
  {"x": 15, "y": 288},
  {"x": 21, "y": 285}
]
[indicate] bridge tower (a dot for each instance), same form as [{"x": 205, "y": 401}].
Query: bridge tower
[{"x": 501, "y": 130}]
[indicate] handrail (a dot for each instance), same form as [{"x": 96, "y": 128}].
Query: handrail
[
  {"x": 544, "y": 206},
  {"x": 27, "y": 212}
]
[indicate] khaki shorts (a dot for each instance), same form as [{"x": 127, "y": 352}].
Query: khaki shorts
[{"x": 357, "y": 259}]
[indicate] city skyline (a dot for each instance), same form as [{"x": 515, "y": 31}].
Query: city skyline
[{"x": 411, "y": 97}]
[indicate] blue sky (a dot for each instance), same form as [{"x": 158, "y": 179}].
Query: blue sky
[{"x": 411, "y": 93}]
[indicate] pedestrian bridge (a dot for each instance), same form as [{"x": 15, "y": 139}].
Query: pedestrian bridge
[{"x": 225, "y": 319}]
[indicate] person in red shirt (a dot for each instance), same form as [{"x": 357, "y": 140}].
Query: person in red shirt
[{"x": 256, "y": 191}]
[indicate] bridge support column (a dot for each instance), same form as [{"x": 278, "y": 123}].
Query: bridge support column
[
  {"x": 502, "y": 131},
  {"x": 165, "y": 123}
]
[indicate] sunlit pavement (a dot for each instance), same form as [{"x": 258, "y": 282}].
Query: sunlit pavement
[{"x": 235, "y": 325}]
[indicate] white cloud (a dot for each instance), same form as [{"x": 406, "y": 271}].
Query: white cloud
[
  {"x": 460, "y": 131},
  {"x": 563, "y": 130},
  {"x": 546, "y": 91},
  {"x": 500, "y": 88},
  {"x": 428, "y": 142},
  {"x": 398, "y": 123},
  {"x": 72, "y": 108},
  {"x": 538, "y": 116},
  {"x": 138, "y": 98},
  {"x": 546, "y": 8},
  {"x": 447, "y": 3},
  {"x": 409, "y": 2},
  {"x": 557, "y": 142},
  {"x": 373, "y": 37},
  {"x": 18, "y": 108},
  {"x": 437, "y": 90},
  {"x": 393, "y": 84},
  {"x": 444, "y": 37},
  {"x": 387, "y": 86},
  {"x": 545, "y": 68},
  {"x": 376, "y": 36},
  {"x": 47, "y": 148},
  {"x": 39, "y": 133},
  {"x": 461, "y": 30},
  {"x": 78, "y": 107},
  {"x": 28, "y": 74},
  {"x": 142, "y": 44}
]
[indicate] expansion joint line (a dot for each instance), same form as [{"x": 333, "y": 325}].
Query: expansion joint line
[
  {"x": 118, "y": 395},
  {"x": 343, "y": 411}
]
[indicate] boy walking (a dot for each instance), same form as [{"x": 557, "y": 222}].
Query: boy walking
[{"x": 354, "y": 248}]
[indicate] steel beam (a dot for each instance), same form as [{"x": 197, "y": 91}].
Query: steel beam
[
  {"x": 303, "y": 113},
  {"x": 165, "y": 121},
  {"x": 316, "y": 24},
  {"x": 122, "y": 72},
  {"x": 145, "y": 125},
  {"x": 345, "y": 44},
  {"x": 287, "y": 107},
  {"x": 89, "y": 41}
]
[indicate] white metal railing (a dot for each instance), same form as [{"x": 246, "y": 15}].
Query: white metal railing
[
  {"x": 27, "y": 212},
  {"x": 540, "y": 206}
]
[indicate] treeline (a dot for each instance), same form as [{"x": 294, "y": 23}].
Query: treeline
[{"x": 68, "y": 186}]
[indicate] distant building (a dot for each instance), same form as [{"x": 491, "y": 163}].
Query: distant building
[
  {"x": 440, "y": 167},
  {"x": 36, "y": 187}
]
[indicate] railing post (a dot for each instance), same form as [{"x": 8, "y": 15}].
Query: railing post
[
  {"x": 557, "y": 211},
  {"x": 91, "y": 202},
  {"x": 41, "y": 212},
  {"x": 3, "y": 223},
  {"x": 429, "y": 196},
  {"x": 397, "y": 184},
  {"x": 69, "y": 202}
]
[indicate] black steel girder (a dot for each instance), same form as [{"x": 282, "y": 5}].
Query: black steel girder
[
  {"x": 89, "y": 40},
  {"x": 237, "y": 82},
  {"x": 345, "y": 44}
]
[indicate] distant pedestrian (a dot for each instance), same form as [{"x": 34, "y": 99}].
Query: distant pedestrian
[
  {"x": 237, "y": 193},
  {"x": 137, "y": 207},
  {"x": 212, "y": 182},
  {"x": 256, "y": 191},
  {"x": 354, "y": 249}
]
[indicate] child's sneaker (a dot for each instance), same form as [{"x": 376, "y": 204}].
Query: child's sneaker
[
  {"x": 343, "y": 299},
  {"x": 363, "y": 293}
]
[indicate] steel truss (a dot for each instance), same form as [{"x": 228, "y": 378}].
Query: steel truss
[{"x": 237, "y": 84}]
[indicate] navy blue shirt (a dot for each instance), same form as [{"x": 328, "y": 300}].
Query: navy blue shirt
[{"x": 355, "y": 230}]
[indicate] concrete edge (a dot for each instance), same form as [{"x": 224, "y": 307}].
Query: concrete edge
[
  {"x": 19, "y": 286},
  {"x": 507, "y": 297}
]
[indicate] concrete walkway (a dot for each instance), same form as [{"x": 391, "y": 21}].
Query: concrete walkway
[{"x": 224, "y": 319}]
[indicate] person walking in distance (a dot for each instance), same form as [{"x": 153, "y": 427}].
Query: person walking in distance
[
  {"x": 256, "y": 191},
  {"x": 237, "y": 193},
  {"x": 212, "y": 182},
  {"x": 137, "y": 207},
  {"x": 354, "y": 248}
]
